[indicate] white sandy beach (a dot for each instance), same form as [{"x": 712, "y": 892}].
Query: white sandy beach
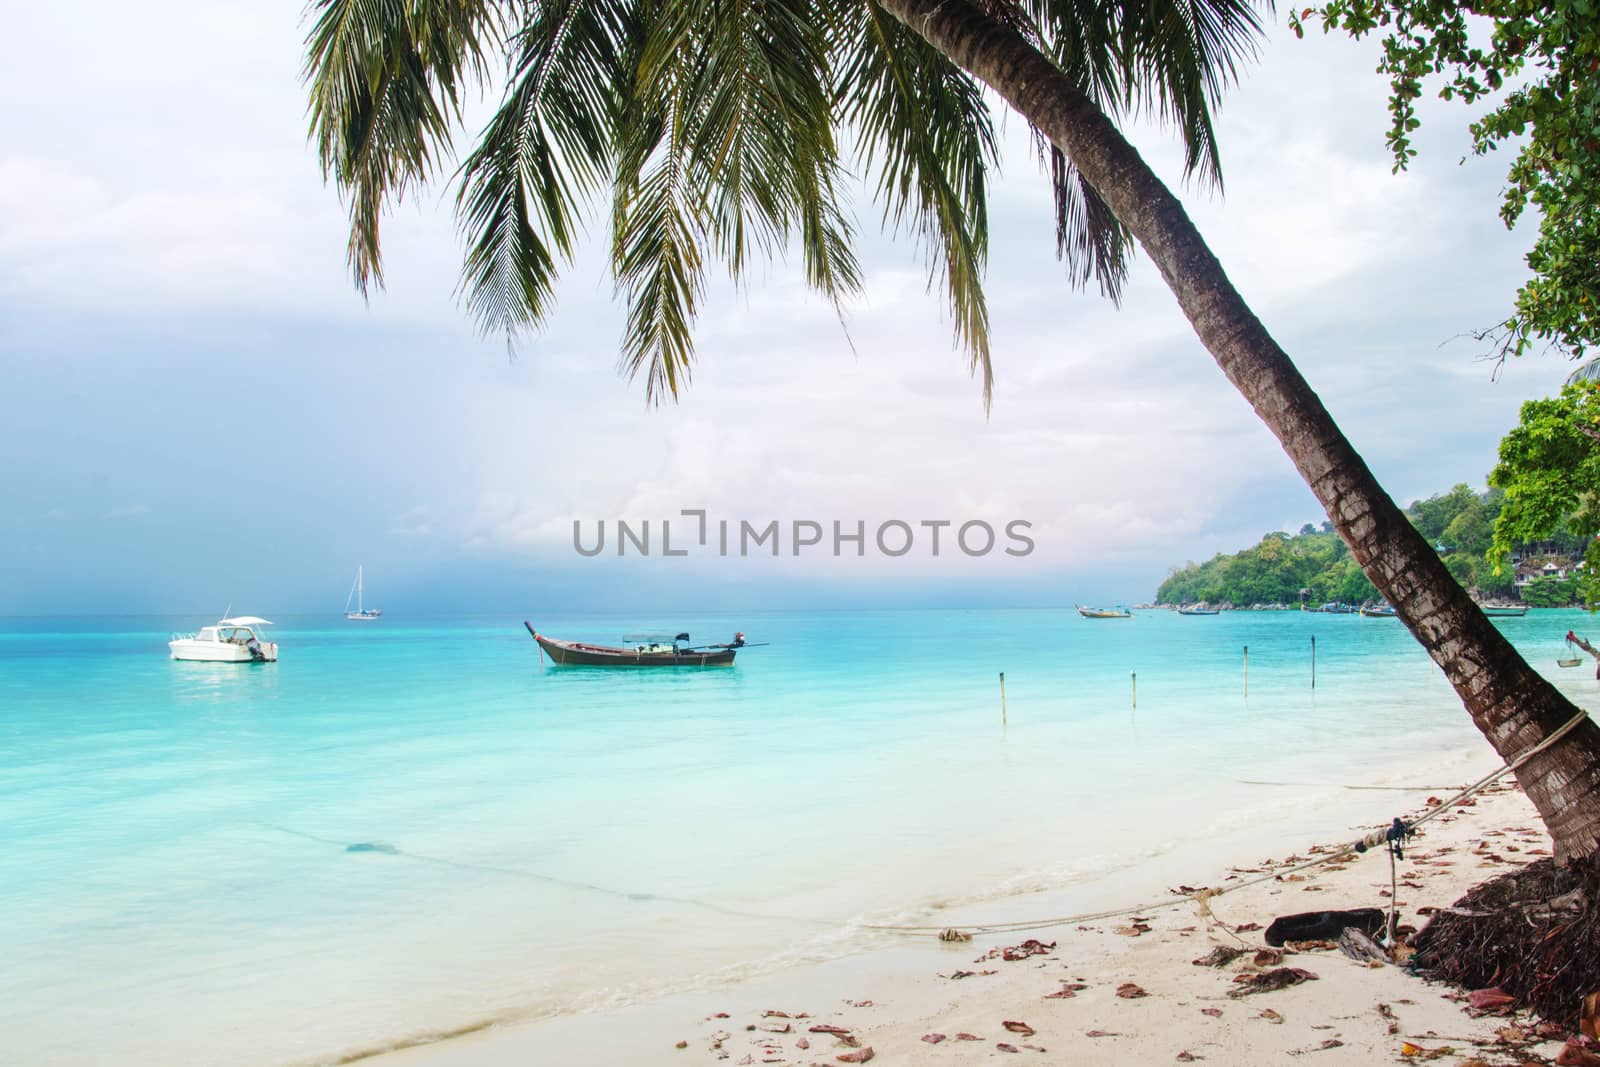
[{"x": 894, "y": 1001}]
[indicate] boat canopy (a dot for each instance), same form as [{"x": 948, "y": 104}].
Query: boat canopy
[{"x": 245, "y": 620}]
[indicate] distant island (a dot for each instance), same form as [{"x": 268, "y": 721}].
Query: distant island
[{"x": 1459, "y": 524}]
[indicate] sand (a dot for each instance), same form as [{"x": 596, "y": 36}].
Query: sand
[{"x": 893, "y": 1000}]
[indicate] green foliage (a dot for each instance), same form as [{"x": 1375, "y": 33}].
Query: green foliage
[
  {"x": 1461, "y": 523},
  {"x": 1272, "y": 572},
  {"x": 1551, "y": 592},
  {"x": 1549, "y": 469},
  {"x": 715, "y": 132},
  {"x": 1540, "y": 62}
]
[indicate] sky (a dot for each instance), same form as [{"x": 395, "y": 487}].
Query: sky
[{"x": 197, "y": 409}]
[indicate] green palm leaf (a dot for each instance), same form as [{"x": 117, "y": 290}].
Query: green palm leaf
[
  {"x": 923, "y": 125},
  {"x": 547, "y": 150},
  {"x": 387, "y": 78},
  {"x": 716, "y": 125}
]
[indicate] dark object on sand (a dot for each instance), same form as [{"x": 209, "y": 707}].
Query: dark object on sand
[
  {"x": 1220, "y": 956},
  {"x": 1268, "y": 981},
  {"x": 1533, "y": 932},
  {"x": 1323, "y": 925},
  {"x": 1361, "y": 948},
  {"x": 676, "y": 653}
]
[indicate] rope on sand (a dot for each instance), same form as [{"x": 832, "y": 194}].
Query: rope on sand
[{"x": 1398, "y": 830}]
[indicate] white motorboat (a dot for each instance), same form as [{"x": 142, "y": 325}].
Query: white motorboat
[
  {"x": 362, "y": 612},
  {"x": 236, "y": 640}
]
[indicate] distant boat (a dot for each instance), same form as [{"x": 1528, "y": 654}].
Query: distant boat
[
  {"x": 658, "y": 653},
  {"x": 1199, "y": 609},
  {"x": 1334, "y": 607},
  {"x": 1384, "y": 611},
  {"x": 233, "y": 640},
  {"x": 1104, "y": 613},
  {"x": 1503, "y": 613},
  {"x": 362, "y": 613}
]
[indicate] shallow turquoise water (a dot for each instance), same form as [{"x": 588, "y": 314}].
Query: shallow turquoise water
[{"x": 178, "y": 884}]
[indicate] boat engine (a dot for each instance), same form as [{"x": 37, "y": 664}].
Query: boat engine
[{"x": 254, "y": 648}]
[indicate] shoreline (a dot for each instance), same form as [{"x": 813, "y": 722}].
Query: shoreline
[{"x": 889, "y": 996}]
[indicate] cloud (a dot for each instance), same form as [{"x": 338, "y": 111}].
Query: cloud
[{"x": 177, "y": 328}]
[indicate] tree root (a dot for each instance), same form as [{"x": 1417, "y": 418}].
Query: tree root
[{"x": 1533, "y": 932}]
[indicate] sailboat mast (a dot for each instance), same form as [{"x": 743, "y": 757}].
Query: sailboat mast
[{"x": 360, "y": 608}]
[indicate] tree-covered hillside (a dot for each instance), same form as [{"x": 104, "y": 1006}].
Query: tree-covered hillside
[{"x": 1459, "y": 524}]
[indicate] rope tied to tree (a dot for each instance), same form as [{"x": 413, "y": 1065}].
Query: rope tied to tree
[{"x": 1390, "y": 836}]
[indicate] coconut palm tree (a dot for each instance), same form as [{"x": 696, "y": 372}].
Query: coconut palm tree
[{"x": 715, "y": 127}]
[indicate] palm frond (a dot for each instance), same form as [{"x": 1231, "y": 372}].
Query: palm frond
[
  {"x": 659, "y": 217},
  {"x": 923, "y": 125},
  {"x": 1090, "y": 239},
  {"x": 387, "y": 79},
  {"x": 1168, "y": 58},
  {"x": 761, "y": 142},
  {"x": 727, "y": 151},
  {"x": 547, "y": 150}
]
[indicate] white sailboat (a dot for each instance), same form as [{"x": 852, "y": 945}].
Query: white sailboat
[{"x": 362, "y": 612}]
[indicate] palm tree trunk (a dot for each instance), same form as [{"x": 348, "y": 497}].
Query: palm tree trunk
[{"x": 1514, "y": 707}]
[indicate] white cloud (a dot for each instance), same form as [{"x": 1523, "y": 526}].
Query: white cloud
[{"x": 169, "y": 195}]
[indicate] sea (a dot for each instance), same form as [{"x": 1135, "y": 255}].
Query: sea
[{"x": 412, "y": 826}]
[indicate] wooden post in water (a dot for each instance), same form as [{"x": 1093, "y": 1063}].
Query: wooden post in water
[
  {"x": 1247, "y": 672},
  {"x": 1135, "y": 677},
  {"x": 1313, "y": 661},
  {"x": 1002, "y": 700}
]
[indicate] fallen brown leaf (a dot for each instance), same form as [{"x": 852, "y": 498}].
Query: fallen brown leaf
[
  {"x": 933, "y": 1039},
  {"x": 1188, "y": 1057},
  {"x": 1130, "y": 991},
  {"x": 1574, "y": 1054},
  {"x": 1419, "y": 1052},
  {"x": 860, "y": 1055},
  {"x": 1271, "y": 1016},
  {"x": 1068, "y": 989},
  {"x": 1215, "y": 1013},
  {"x": 829, "y": 1028},
  {"x": 968, "y": 1037},
  {"x": 1101, "y": 1033},
  {"x": 1268, "y": 981},
  {"x": 1018, "y": 1027},
  {"x": 1493, "y": 999},
  {"x": 1003, "y": 1047},
  {"x": 1512, "y": 1035},
  {"x": 1030, "y": 947}
]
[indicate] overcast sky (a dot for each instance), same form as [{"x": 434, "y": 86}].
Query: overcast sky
[{"x": 196, "y": 408}]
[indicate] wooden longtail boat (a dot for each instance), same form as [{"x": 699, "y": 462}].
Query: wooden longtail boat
[
  {"x": 1104, "y": 613},
  {"x": 656, "y": 654},
  {"x": 1496, "y": 612}
]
